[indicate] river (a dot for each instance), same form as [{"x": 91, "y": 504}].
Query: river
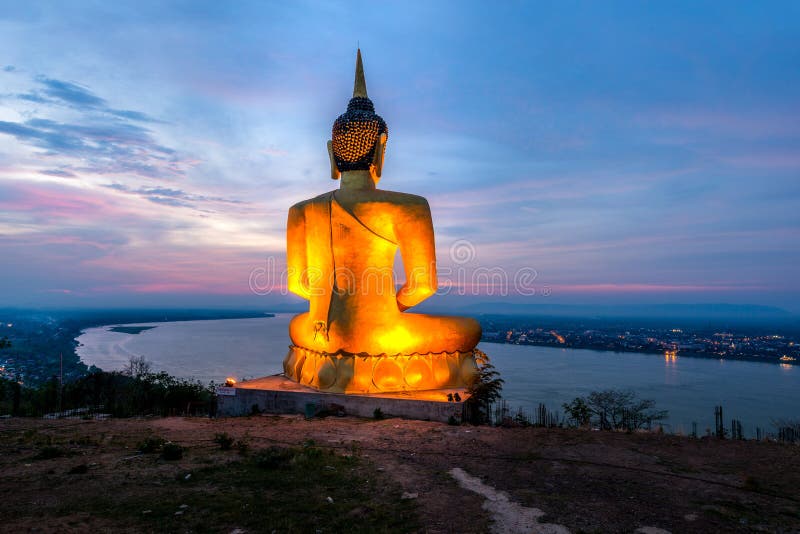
[{"x": 689, "y": 388}]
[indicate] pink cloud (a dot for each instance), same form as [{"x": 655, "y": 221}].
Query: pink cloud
[
  {"x": 156, "y": 269},
  {"x": 56, "y": 202}
]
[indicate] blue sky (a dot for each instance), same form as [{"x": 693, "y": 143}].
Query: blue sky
[{"x": 625, "y": 151}]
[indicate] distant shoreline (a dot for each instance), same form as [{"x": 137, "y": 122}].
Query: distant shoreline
[
  {"x": 130, "y": 329},
  {"x": 126, "y": 325},
  {"x": 687, "y": 354}
]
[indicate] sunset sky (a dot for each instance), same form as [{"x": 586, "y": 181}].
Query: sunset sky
[{"x": 627, "y": 152}]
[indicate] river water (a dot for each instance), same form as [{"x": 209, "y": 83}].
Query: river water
[{"x": 689, "y": 388}]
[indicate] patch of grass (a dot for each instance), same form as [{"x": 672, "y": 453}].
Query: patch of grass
[
  {"x": 284, "y": 489},
  {"x": 242, "y": 447},
  {"x": 224, "y": 440},
  {"x": 737, "y": 512},
  {"x": 672, "y": 465},
  {"x": 151, "y": 444},
  {"x": 49, "y": 452},
  {"x": 529, "y": 456},
  {"x": 34, "y": 437},
  {"x": 273, "y": 457},
  {"x": 751, "y": 483},
  {"x": 85, "y": 441},
  {"x": 27, "y": 436},
  {"x": 80, "y": 469},
  {"x": 172, "y": 451}
]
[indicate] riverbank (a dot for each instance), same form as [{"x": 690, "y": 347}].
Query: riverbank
[
  {"x": 407, "y": 476},
  {"x": 659, "y": 352}
]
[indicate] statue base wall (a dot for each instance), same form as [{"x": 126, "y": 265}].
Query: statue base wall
[
  {"x": 345, "y": 372},
  {"x": 279, "y": 395}
]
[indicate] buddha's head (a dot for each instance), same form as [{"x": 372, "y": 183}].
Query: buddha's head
[{"x": 359, "y": 135}]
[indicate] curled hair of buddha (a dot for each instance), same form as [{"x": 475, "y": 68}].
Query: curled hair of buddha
[{"x": 356, "y": 132}]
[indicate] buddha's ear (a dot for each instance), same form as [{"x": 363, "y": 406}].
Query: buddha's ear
[
  {"x": 376, "y": 168},
  {"x": 335, "y": 174}
]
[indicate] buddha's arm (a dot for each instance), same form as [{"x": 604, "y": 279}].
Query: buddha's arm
[
  {"x": 296, "y": 265},
  {"x": 415, "y": 236}
]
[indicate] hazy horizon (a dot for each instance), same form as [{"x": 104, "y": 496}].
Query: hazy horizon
[{"x": 691, "y": 312}]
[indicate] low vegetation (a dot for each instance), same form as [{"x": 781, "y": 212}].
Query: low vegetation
[
  {"x": 613, "y": 409},
  {"x": 174, "y": 488},
  {"x": 483, "y": 392},
  {"x": 137, "y": 390}
]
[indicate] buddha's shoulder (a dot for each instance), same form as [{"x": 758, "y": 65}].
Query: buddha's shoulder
[
  {"x": 395, "y": 197},
  {"x": 301, "y": 206}
]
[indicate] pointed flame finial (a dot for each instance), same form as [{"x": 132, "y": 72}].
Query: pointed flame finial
[{"x": 360, "y": 85}]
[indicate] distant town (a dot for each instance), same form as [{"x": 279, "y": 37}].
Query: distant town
[{"x": 734, "y": 342}]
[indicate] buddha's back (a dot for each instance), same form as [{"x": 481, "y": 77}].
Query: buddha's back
[{"x": 341, "y": 247}]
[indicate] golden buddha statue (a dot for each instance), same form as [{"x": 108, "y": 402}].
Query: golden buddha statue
[{"x": 341, "y": 245}]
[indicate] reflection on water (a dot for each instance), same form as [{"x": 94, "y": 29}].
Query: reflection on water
[{"x": 689, "y": 388}]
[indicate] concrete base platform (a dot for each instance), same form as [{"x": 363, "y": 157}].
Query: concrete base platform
[{"x": 277, "y": 394}]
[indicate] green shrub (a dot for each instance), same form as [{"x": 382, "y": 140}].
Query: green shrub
[
  {"x": 171, "y": 451},
  {"x": 150, "y": 444},
  {"x": 310, "y": 450},
  {"x": 578, "y": 412},
  {"x": 273, "y": 457},
  {"x": 224, "y": 440},
  {"x": 378, "y": 414}
]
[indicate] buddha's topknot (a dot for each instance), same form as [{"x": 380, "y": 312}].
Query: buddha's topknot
[
  {"x": 355, "y": 135},
  {"x": 356, "y": 132}
]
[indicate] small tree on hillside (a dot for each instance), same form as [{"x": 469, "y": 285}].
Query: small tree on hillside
[
  {"x": 138, "y": 367},
  {"x": 578, "y": 412},
  {"x": 621, "y": 409},
  {"x": 483, "y": 392}
]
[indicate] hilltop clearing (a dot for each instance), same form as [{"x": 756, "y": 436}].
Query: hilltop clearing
[{"x": 286, "y": 473}]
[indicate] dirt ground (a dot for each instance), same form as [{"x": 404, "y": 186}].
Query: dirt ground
[{"x": 579, "y": 480}]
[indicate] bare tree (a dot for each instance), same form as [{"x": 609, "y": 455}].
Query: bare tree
[
  {"x": 621, "y": 409},
  {"x": 138, "y": 367}
]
